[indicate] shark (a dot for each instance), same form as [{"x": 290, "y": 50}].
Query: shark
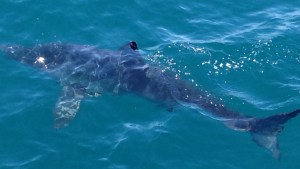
[{"x": 88, "y": 71}]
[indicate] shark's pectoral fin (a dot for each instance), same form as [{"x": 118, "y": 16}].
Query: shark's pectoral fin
[{"x": 67, "y": 106}]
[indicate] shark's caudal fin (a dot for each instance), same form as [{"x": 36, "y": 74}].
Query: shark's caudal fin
[{"x": 265, "y": 131}]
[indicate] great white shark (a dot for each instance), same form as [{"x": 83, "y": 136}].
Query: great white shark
[{"x": 89, "y": 71}]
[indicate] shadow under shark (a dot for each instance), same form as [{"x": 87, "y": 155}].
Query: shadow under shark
[{"x": 89, "y": 71}]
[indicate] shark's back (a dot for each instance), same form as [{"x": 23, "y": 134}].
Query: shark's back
[{"x": 86, "y": 70}]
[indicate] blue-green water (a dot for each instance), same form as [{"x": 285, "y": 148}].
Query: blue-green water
[{"x": 247, "y": 53}]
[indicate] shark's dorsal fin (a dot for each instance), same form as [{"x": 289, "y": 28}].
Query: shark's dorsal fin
[
  {"x": 129, "y": 49},
  {"x": 131, "y": 57},
  {"x": 67, "y": 106},
  {"x": 131, "y": 46}
]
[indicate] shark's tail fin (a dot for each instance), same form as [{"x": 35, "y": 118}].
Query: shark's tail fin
[{"x": 265, "y": 131}]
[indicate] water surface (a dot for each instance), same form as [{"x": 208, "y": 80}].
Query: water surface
[{"x": 246, "y": 53}]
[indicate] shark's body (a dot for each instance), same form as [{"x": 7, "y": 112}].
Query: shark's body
[{"x": 85, "y": 71}]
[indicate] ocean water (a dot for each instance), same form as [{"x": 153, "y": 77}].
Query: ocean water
[{"x": 247, "y": 53}]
